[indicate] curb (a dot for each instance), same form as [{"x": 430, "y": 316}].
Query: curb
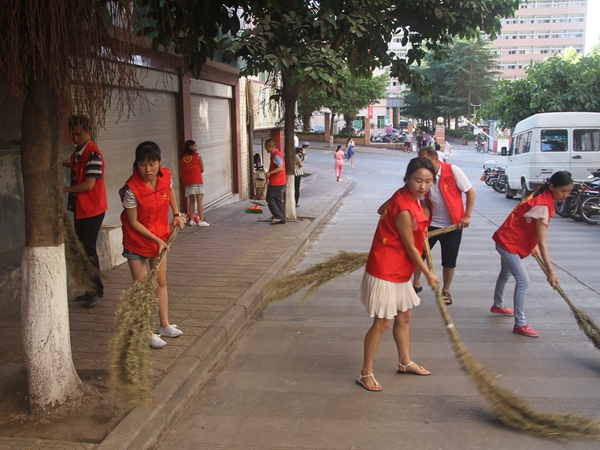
[{"x": 141, "y": 428}]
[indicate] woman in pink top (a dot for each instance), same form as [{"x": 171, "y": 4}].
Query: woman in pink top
[{"x": 339, "y": 156}]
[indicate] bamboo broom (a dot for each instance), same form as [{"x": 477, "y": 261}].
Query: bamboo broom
[
  {"x": 79, "y": 264},
  {"x": 315, "y": 276},
  {"x": 128, "y": 346},
  {"x": 585, "y": 322},
  {"x": 512, "y": 410}
]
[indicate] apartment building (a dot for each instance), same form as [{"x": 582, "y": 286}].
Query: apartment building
[{"x": 540, "y": 29}]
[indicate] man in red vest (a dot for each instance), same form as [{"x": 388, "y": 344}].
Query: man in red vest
[
  {"x": 277, "y": 179},
  {"x": 87, "y": 197},
  {"x": 446, "y": 205}
]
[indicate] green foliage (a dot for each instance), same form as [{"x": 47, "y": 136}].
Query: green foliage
[
  {"x": 462, "y": 78},
  {"x": 561, "y": 83},
  {"x": 189, "y": 28}
]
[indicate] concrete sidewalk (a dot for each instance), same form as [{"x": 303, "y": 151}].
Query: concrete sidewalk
[{"x": 216, "y": 280}]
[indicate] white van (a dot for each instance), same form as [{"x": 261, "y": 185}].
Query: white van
[{"x": 546, "y": 143}]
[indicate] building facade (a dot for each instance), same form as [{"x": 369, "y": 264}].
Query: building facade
[{"x": 540, "y": 29}]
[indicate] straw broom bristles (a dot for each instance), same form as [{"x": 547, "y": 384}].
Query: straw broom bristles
[
  {"x": 128, "y": 346},
  {"x": 512, "y": 410},
  {"x": 315, "y": 276},
  {"x": 79, "y": 264},
  {"x": 585, "y": 322}
]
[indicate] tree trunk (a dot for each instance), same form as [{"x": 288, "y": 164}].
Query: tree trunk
[
  {"x": 44, "y": 310},
  {"x": 290, "y": 96}
]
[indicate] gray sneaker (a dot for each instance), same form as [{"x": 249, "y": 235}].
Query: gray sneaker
[
  {"x": 170, "y": 331},
  {"x": 156, "y": 341}
]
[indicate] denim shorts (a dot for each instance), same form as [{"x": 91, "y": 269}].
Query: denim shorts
[{"x": 131, "y": 255}]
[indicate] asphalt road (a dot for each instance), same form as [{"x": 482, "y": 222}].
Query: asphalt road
[{"x": 289, "y": 383}]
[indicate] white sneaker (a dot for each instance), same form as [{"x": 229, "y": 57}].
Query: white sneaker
[
  {"x": 203, "y": 223},
  {"x": 170, "y": 331},
  {"x": 191, "y": 223},
  {"x": 156, "y": 341}
]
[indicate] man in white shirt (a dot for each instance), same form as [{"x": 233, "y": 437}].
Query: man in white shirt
[{"x": 446, "y": 206}]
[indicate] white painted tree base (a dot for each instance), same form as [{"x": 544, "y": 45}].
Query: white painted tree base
[
  {"x": 45, "y": 318},
  {"x": 290, "y": 199}
]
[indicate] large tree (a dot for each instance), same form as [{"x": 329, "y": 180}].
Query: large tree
[
  {"x": 568, "y": 82},
  {"x": 60, "y": 57},
  {"x": 301, "y": 41},
  {"x": 462, "y": 78}
]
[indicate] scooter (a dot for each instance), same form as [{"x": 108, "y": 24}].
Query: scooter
[{"x": 301, "y": 151}]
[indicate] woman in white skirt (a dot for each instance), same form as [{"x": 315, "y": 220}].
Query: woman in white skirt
[{"x": 386, "y": 290}]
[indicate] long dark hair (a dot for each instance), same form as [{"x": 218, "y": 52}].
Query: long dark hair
[
  {"x": 419, "y": 163},
  {"x": 187, "y": 147},
  {"x": 558, "y": 179},
  {"x": 147, "y": 151}
]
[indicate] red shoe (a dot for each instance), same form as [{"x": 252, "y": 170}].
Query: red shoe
[
  {"x": 504, "y": 311},
  {"x": 525, "y": 331}
]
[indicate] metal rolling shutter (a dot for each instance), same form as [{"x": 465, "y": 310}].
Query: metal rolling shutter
[
  {"x": 154, "y": 120},
  {"x": 211, "y": 129}
]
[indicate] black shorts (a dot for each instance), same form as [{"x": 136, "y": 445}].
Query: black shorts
[
  {"x": 450, "y": 243},
  {"x": 406, "y": 144}
]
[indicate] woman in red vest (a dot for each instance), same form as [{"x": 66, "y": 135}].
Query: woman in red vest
[
  {"x": 146, "y": 199},
  {"x": 522, "y": 234},
  {"x": 386, "y": 290},
  {"x": 191, "y": 177}
]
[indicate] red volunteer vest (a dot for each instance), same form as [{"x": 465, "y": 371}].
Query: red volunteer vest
[
  {"x": 516, "y": 235},
  {"x": 388, "y": 259},
  {"x": 153, "y": 213},
  {"x": 93, "y": 202},
  {"x": 450, "y": 192},
  {"x": 190, "y": 170},
  {"x": 279, "y": 179}
]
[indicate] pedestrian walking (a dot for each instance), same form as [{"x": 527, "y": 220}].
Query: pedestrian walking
[
  {"x": 523, "y": 233},
  {"x": 298, "y": 174},
  {"x": 445, "y": 199},
  {"x": 146, "y": 198},
  {"x": 396, "y": 250},
  {"x": 338, "y": 165},
  {"x": 350, "y": 152},
  {"x": 87, "y": 198},
  {"x": 277, "y": 179},
  {"x": 192, "y": 168}
]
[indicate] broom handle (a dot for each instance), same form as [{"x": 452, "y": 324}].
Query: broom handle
[
  {"x": 438, "y": 292},
  {"x": 163, "y": 252},
  {"x": 442, "y": 231},
  {"x": 557, "y": 286}
]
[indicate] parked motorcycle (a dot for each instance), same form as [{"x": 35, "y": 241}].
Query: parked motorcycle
[
  {"x": 498, "y": 183},
  {"x": 301, "y": 151}
]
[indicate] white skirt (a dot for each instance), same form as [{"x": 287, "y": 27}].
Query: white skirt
[
  {"x": 194, "y": 189},
  {"x": 385, "y": 298}
]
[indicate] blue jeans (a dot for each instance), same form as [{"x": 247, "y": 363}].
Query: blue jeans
[{"x": 512, "y": 264}]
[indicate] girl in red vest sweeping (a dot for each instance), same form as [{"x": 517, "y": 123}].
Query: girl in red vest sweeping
[
  {"x": 191, "y": 177},
  {"x": 396, "y": 251},
  {"x": 524, "y": 233},
  {"x": 146, "y": 199}
]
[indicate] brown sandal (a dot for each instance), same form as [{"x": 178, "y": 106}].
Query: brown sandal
[{"x": 447, "y": 298}]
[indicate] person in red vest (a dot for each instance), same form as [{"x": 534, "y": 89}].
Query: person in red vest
[
  {"x": 191, "y": 177},
  {"x": 446, "y": 204},
  {"x": 146, "y": 197},
  {"x": 396, "y": 251},
  {"x": 277, "y": 179},
  {"x": 87, "y": 198},
  {"x": 523, "y": 233}
]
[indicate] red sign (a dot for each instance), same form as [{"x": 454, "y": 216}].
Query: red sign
[{"x": 370, "y": 111}]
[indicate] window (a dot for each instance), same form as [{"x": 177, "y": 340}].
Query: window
[
  {"x": 517, "y": 143},
  {"x": 380, "y": 121},
  {"x": 526, "y": 142},
  {"x": 554, "y": 140},
  {"x": 586, "y": 140}
]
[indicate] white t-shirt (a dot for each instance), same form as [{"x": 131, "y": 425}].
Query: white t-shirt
[{"x": 441, "y": 217}]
